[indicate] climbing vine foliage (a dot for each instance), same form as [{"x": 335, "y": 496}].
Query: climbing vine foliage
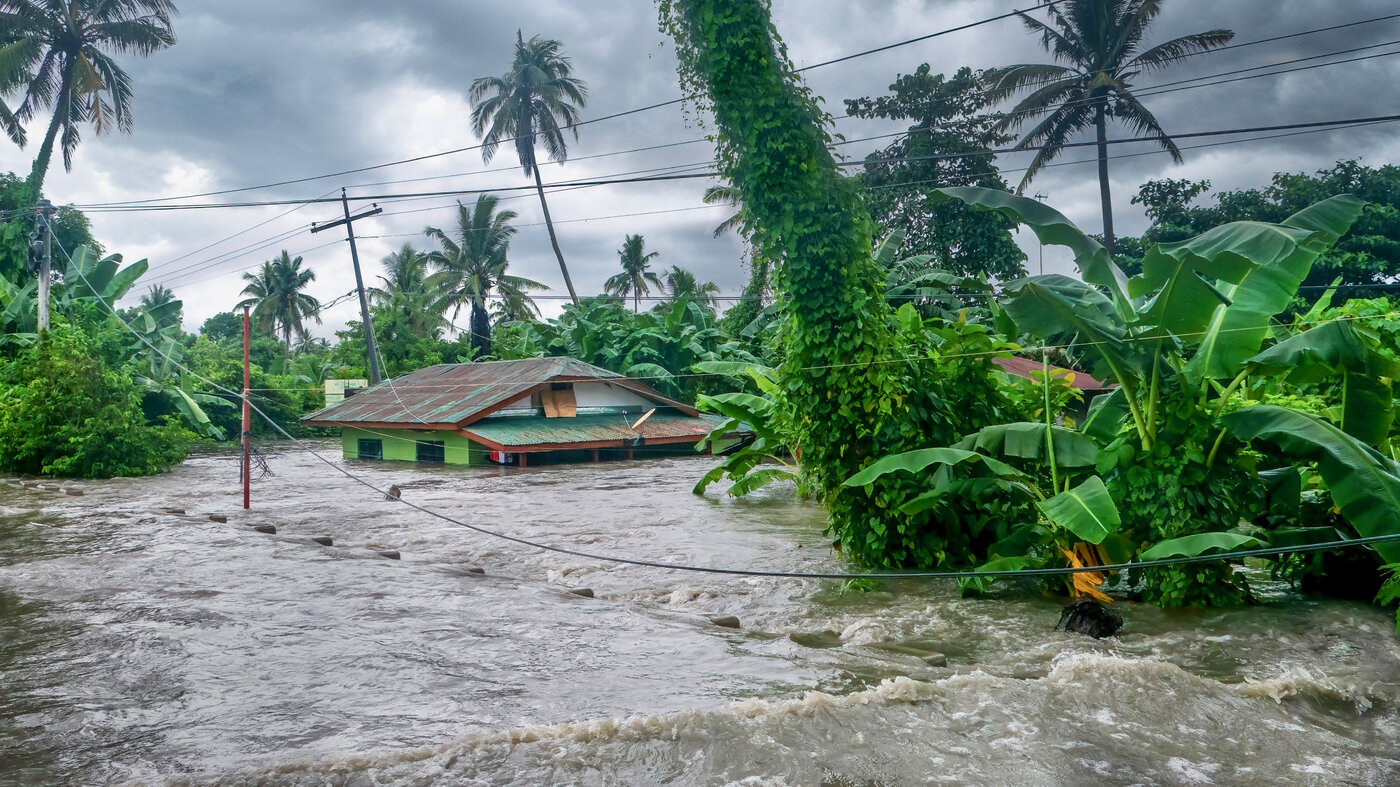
[{"x": 846, "y": 400}]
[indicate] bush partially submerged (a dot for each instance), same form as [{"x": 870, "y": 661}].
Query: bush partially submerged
[{"x": 67, "y": 410}]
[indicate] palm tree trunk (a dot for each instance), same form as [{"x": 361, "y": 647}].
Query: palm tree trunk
[
  {"x": 41, "y": 162},
  {"x": 481, "y": 330},
  {"x": 1104, "y": 197},
  {"x": 553, "y": 241}
]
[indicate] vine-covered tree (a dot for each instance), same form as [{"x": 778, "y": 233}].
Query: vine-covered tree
[
  {"x": 534, "y": 103},
  {"x": 948, "y": 144},
  {"x": 1098, "y": 44}
]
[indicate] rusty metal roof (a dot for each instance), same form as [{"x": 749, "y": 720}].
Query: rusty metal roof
[
  {"x": 589, "y": 429},
  {"x": 448, "y": 396}
]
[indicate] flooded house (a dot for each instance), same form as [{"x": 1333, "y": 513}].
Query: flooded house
[{"x": 521, "y": 412}]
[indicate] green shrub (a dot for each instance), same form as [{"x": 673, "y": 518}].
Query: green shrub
[{"x": 64, "y": 411}]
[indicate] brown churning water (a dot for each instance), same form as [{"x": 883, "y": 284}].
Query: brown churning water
[{"x": 137, "y": 644}]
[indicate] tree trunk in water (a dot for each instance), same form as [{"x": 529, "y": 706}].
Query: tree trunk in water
[
  {"x": 1104, "y": 196},
  {"x": 553, "y": 241},
  {"x": 481, "y": 331}
]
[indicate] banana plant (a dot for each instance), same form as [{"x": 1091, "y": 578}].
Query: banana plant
[
  {"x": 755, "y": 462},
  {"x": 1176, "y": 340},
  {"x": 1200, "y": 308},
  {"x": 89, "y": 277},
  {"x": 163, "y": 380}
]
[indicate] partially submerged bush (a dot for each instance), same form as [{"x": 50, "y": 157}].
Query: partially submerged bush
[{"x": 65, "y": 410}]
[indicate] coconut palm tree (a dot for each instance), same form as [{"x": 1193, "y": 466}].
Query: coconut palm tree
[
  {"x": 157, "y": 296},
  {"x": 406, "y": 289},
  {"x": 725, "y": 195},
  {"x": 533, "y": 103},
  {"x": 276, "y": 297},
  {"x": 58, "y": 53},
  {"x": 472, "y": 266},
  {"x": 635, "y": 279},
  {"x": 683, "y": 284},
  {"x": 1098, "y": 44}
]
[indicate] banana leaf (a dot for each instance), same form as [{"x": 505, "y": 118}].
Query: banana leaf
[
  {"x": 884, "y": 255},
  {"x": 1284, "y": 488},
  {"x": 1053, "y": 228},
  {"x": 1026, "y": 440},
  {"x": 915, "y": 461},
  {"x": 1365, "y": 485},
  {"x": 734, "y": 368},
  {"x": 1054, "y": 305},
  {"x": 1198, "y": 544},
  {"x": 1087, "y": 511},
  {"x": 1283, "y": 255},
  {"x": 1323, "y": 351},
  {"x": 1340, "y": 349},
  {"x": 1107, "y": 414},
  {"x": 984, "y": 584}
]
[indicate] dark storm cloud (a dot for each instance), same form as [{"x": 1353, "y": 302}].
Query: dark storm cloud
[{"x": 259, "y": 91}]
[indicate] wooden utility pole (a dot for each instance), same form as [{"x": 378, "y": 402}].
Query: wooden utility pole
[
  {"x": 247, "y": 415},
  {"x": 371, "y": 351},
  {"x": 43, "y": 213}
]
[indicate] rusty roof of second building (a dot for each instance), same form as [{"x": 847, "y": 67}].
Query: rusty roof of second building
[{"x": 451, "y": 395}]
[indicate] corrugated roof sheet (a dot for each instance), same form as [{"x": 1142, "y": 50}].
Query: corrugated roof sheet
[
  {"x": 450, "y": 395},
  {"x": 522, "y": 432}
]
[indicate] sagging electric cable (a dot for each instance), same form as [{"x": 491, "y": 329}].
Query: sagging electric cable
[{"x": 891, "y": 575}]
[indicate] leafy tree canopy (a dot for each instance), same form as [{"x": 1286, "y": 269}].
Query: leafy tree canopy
[
  {"x": 946, "y": 145},
  {"x": 1367, "y": 256}
]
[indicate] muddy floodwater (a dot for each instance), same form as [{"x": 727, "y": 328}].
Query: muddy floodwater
[{"x": 141, "y": 641}]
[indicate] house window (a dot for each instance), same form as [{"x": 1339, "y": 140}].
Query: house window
[
  {"x": 431, "y": 451},
  {"x": 371, "y": 449}
]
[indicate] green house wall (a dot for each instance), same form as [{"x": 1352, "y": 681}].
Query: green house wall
[{"x": 400, "y": 445}]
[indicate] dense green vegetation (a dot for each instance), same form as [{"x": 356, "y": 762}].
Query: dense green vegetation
[
  {"x": 1248, "y": 347},
  {"x": 1230, "y": 424}
]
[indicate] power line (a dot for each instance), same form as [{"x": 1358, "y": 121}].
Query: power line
[
  {"x": 601, "y": 119},
  {"x": 1358, "y": 123},
  {"x": 1060, "y": 571},
  {"x": 692, "y": 176},
  {"x": 1255, "y": 42}
]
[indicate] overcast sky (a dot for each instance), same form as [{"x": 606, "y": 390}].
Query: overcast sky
[{"x": 258, "y": 91}]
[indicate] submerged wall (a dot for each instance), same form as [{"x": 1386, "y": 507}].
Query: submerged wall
[{"x": 401, "y": 445}]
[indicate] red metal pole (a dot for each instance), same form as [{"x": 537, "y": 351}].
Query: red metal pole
[{"x": 247, "y": 414}]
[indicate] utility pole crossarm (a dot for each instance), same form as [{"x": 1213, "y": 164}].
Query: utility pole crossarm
[{"x": 371, "y": 350}]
